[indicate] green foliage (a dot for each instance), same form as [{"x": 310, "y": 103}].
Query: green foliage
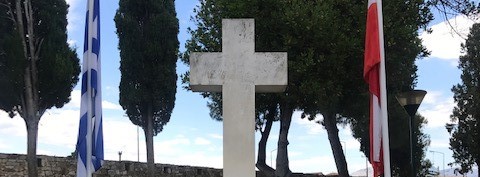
[
  {"x": 324, "y": 41},
  {"x": 465, "y": 140},
  {"x": 58, "y": 64},
  {"x": 148, "y": 44},
  {"x": 402, "y": 20},
  {"x": 38, "y": 69},
  {"x": 56, "y": 61},
  {"x": 12, "y": 64},
  {"x": 456, "y": 7}
]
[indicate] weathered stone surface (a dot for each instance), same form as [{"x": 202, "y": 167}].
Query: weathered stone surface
[{"x": 238, "y": 72}]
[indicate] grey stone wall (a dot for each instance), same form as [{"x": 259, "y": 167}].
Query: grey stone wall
[{"x": 15, "y": 165}]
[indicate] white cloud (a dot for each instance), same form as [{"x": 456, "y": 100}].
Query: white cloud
[
  {"x": 171, "y": 147},
  {"x": 75, "y": 97},
  {"x": 216, "y": 136},
  {"x": 292, "y": 153},
  {"x": 72, "y": 2},
  {"x": 443, "y": 143},
  {"x": 322, "y": 164},
  {"x": 72, "y": 43},
  {"x": 59, "y": 127},
  {"x": 202, "y": 141},
  {"x": 432, "y": 97},
  {"x": 437, "y": 108},
  {"x": 312, "y": 127},
  {"x": 3, "y": 145},
  {"x": 352, "y": 143},
  {"x": 444, "y": 42},
  {"x": 12, "y": 127},
  {"x": 110, "y": 105},
  {"x": 73, "y": 16}
]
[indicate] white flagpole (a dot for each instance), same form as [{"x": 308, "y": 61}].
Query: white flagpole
[
  {"x": 89, "y": 89},
  {"x": 383, "y": 95}
]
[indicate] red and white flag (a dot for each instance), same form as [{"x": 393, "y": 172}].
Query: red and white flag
[{"x": 371, "y": 73}]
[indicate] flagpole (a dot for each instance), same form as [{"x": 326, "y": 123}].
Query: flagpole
[
  {"x": 89, "y": 91},
  {"x": 383, "y": 94}
]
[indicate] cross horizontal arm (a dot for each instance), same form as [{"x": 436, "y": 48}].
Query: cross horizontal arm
[
  {"x": 271, "y": 73},
  {"x": 206, "y": 72}
]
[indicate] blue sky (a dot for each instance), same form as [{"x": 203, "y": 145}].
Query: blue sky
[{"x": 193, "y": 138}]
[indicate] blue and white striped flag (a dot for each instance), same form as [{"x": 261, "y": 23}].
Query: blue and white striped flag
[{"x": 90, "y": 134}]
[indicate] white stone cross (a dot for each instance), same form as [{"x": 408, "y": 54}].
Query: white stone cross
[{"x": 238, "y": 72}]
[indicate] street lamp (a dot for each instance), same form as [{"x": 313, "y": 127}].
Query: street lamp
[
  {"x": 366, "y": 165},
  {"x": 271, "y": 159},
  {"x": 119, "y": 155},
  {"x": 138, "y": 145},
  {"x": 450, "y": 127},
  {"x": 442, "y": 161},
  {"x": 410, "y": 101}
]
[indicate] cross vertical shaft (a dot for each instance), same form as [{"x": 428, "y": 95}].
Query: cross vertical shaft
[
  {"x": 238, "y": 72},
  {"x": 238, "y": 130}
]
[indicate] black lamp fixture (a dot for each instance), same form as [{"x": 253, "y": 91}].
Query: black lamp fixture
[
  {"x": 410, "y": 101},
  {"x": 450, "y": 127}
]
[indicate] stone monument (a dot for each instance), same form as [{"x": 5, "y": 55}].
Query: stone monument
[{"x": 238, "y": 72}]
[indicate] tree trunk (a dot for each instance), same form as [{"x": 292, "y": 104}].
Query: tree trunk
[
  {"x": 332, "y": 131},
  {"x": 149, "y": 141},
  {"x": 32, "y": 134},
  {"x": 29, "y": 110},
  {"x": 283, "y": 169},
  {"x": 262, "y": 146}
]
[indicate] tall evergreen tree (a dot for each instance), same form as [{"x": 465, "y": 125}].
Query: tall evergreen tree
[
  {"x": 465, "y": 140},
  {"x": 148, "y": 43},
  {"x": 38, "y": 69}
]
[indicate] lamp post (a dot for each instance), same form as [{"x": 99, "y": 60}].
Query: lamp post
[
  {"x": 366, "y": 165},
  {"x": 119, "y": 155},
  {"x": 443, "y": 162},
  {"x": 271, "y": 159},
  {"x": 410, "y": 101},
  {"x": 138, "y": 145},
  {"x": 450, "y": 127}
]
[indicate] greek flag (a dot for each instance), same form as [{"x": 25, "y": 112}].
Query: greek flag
[{"x": 90, "y": 135}]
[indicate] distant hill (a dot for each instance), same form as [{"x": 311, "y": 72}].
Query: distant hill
[
  {"x": 448, "y": 173},
  {"x": 362, "y": 173},
  {"x": 451, "y": 173}
]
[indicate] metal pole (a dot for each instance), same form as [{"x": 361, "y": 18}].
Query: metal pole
[
  {"x": 383, "y": 95},
  {"x": 119, "y": 155},
  {"x": 138, "y": 146},
  {"x": 411, "y": 146},
  {"x": 443, "y": 160},
  {"x": 366, "y": 165},
  {"x": 89, "y": 92},
  {"x": 271, "y": 160}
]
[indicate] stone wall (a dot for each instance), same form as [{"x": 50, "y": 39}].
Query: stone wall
[{"x": 15, "y": 165}]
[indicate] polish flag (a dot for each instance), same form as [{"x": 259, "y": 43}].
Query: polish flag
[{"x": 372, "y": 72}]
